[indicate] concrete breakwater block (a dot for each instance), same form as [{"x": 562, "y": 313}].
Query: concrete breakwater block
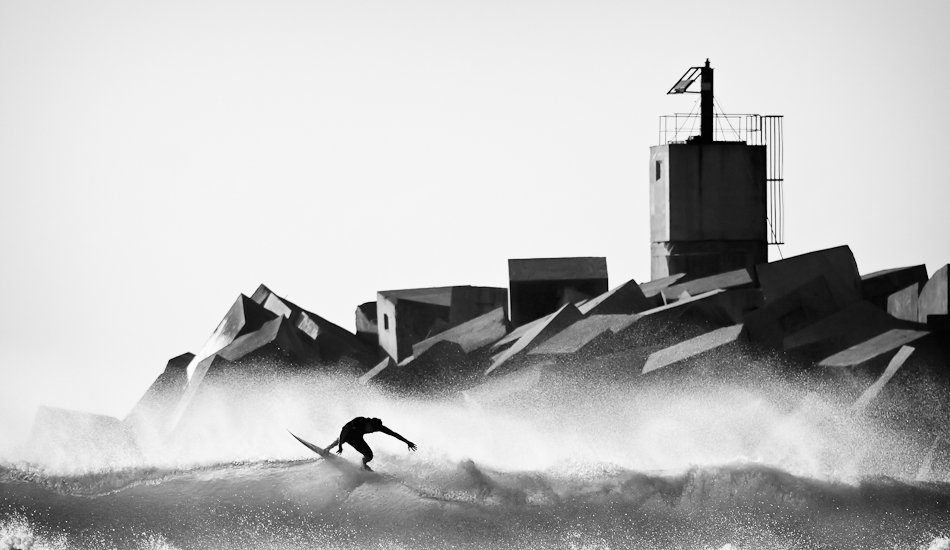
[
  {"x": 539, "y": 333},
  {"x": 371, "y": 373},
  {"x": 872, "y": 348},
  {"x": 653, "y": 290},
  {"x": 682, "y": 303},
  {"x": 575, "y": 337},
  {"x": 517, "y": 333},
  {"x": 691, "y": 347},
  {"x": 155, "y": 406},
  {"x": 625, "y": 299},
  {"x": 878, "y": 286},
  {"x": 244, "y": 317},
  {"x": 841, "y": 330},
  {"x": 729, "y": 280},
  {"x": 730, "y": 307},
  {"x": 933, "y": 299},
  {"x": 903, "y": 304},
  {"x": 443, "y": 365},
  {"x": 470, "y": 335},
  {"x": 333, "y": 341},
  {"x": 791, "y": 312},
  {"x": 836, "y": 265},
  {"x": 539, "y": 286},
  {"x": 896, "y": 362},
  {"x": 282, "y": 334}
]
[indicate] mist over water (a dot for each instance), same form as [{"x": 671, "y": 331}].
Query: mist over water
[{"x": 567, "y": 461}]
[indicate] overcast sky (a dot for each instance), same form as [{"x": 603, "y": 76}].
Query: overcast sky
[{"x": 157, "y": 159}]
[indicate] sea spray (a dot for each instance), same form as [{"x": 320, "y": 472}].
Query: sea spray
[{"x": 765, "y": 463}]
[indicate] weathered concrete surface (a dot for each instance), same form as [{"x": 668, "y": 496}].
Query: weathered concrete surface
[
  {"x": 857, "y": 323},
  {"x": 540, "y": 286},
  {"x": 443, "y": 367},
  {"x": 407, "y": 317},
  {"x": 517, "y": 333},
  {"x": 731, "y": 306},
  {"x": 656, "y": 286},
  {"x": 872, "y": 348},
  {"x": 245, "y": 316},
  {"x": 621, "y": 355},
  {"x": 933, "y": 298},
  {"x": 581, "y": 333},
  {"x": 335, "y": 344},
  {"x": 282, "y": 334},
  {"x": 308, "y": 327},
  {"x": 708, "y": 192},
  {"x": 623, "y": 300},
  {"x": 836, "y": 265},
  {"x": 878, "y": 286},
  {"x": 707, "y": 208},
  {"x": 730, "y": 280},
  {"x": 691, "y": 347},
  {"x": 896, "y": 362},
  {"x": 471, "y": 335},
  {"x": 538, "y": 334},
  {"x": 557, "y": 269},
  {"x": 370, "y": 374},
  {"x": 790, "y": 312},
  {"x": 153, "y": 411},
  {"x": 470, "y": 302},
  {"x": 903, "y": 304},
  {"x": 705, "y": 258},
  {"x": 681, "y": 303}
]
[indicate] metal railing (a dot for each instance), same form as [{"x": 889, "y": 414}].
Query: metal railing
[{"x": 752, "y": 129}]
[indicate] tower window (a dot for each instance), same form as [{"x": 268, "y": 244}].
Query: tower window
[
  {"x": 385, "y": 321},
  {"x": 659, "y": 170}
]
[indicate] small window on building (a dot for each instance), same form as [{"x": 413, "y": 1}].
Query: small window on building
[
  {"x": 659, "y": 170},
  {"x": 385, "y": 321}
]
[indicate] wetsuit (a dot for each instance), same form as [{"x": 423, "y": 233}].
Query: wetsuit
[{"x": 353, "y": 432}]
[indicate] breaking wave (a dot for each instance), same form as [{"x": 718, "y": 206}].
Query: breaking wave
[
  {"x": 311, "y": 504},
  {"x": 549, "y": 461}
]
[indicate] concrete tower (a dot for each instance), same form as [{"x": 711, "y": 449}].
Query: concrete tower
[{"x": 708, "y": 197}]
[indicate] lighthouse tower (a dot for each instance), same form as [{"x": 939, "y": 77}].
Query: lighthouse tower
[{"x": 711, "y": 193}]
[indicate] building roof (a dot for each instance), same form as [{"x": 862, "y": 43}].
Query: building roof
[
  {"x": 440, "y": 296},
  {"x": 557, "y": 269}
]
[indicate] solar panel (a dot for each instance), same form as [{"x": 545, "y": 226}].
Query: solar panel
[{"x": 685, "y": 81}]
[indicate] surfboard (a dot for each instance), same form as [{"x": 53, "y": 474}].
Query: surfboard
[
  {"x": 337, "y": 462},
  {"x": 319, "y": 450}
]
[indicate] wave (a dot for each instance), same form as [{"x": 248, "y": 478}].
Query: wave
[
  {"x": 310, "y": 504},
  {"x": 558, "y": 463}
]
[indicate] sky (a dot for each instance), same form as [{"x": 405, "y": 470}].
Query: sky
[{"x": 157, "y": 159}]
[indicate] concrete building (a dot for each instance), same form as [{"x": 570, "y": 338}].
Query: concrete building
[
  {"x": 407, "y": 317},
  {"x": 710, "y": 193},
  {"x": 540, "y": 286}
]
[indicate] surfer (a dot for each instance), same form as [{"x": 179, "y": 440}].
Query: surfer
[{"x": 353, "y": 432}]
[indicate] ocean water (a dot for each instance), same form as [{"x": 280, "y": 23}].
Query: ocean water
[{"x": 560, "y": 462}]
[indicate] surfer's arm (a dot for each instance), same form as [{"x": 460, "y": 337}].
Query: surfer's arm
[
  {"x": 343, "y": 433},
  {"x": 385, "y": 430}
]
